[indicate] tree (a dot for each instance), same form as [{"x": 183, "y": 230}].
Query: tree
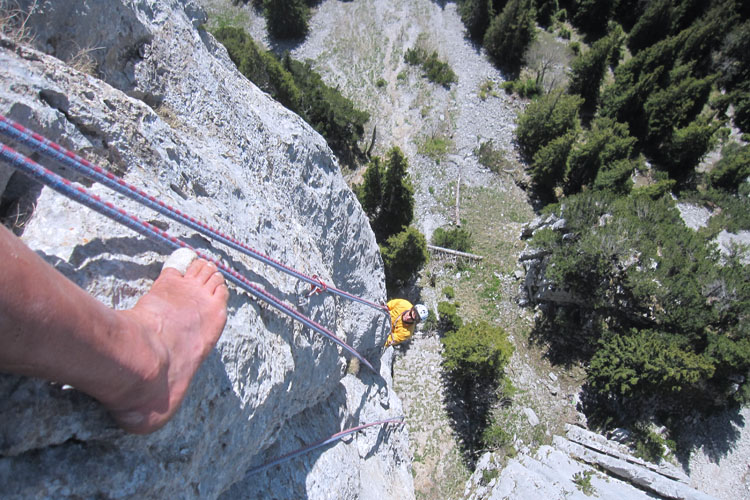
[
  {"x": 476, "y": 15},
  {"x": 386, "y": 195},
  {"x": 549, "y": 164},
  {"x": 647, "y": 362},
  {"x": 370, "y": 192},
  {"x": 676, "y": 105},
  {"x": 686, "y": 147},
  {"x": 546, "y": 119},
  {"x": 650, "y": 27},
  {"x": 260, "y": 67},
  {"x": 397, "y": 205},
  {"x": 592, "y": 16},
  {"x": 732, "y": 63},
  {"x": 404, "y": 254},
  {"x": 510, "y": 33},
  {"x": 587, "y": 72},
  {"x": 287, "y": 18},
  {"x": 606, "y": 143}
]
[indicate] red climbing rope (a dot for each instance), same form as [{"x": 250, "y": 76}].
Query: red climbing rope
[
  {"x": 79, "y": 194},
  {"x": 54, "y": 151}
]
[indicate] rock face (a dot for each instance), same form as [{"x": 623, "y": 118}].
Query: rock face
[
  {"x": 581, "y": 465},
  {"x": 167, "y": 110}
]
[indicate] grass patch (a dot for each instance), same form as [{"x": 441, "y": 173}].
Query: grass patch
[{"x": 435, "y": 148}]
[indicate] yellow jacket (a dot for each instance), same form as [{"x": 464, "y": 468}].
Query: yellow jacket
[{"x": 400, "y": 331}]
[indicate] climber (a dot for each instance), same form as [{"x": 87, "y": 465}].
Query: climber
[
  {"x": 404, "y": 318},
  {"x": 138, "y": 363}
]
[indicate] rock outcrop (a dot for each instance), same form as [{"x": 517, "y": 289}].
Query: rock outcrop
[
  {"x": 581, "y": 465},
  {"x": 165, "y": 108}
]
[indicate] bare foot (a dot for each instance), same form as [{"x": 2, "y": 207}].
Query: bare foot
[{"x": 180, "y": 320}]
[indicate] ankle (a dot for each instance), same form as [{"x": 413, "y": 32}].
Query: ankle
[{"x": 138, "y": 368}]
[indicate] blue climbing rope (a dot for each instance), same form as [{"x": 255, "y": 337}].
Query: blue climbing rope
[
  {"x": 54, "y": 151},
  {"x": 79, "y": 194}
]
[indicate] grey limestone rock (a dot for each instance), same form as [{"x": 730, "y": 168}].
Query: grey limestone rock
[{"x": 167, "y": 110}]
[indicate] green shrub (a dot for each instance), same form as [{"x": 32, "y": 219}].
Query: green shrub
[
  {"x": 477, "y": 351},
  {"x": 582, "y": 480},
  {"x": 449, "y": 321},
  {"x": 449, "y": 292},
  {"x": 733, "y": 169},
  {"x": 404, "y": 254},
  {"x": 487, "y": 89},
  {"x": 492, "y": 158},
  {"x": 495, "y": 437},
  {"x": 527, "y": 88},
  {"x": 488, "y": 475},
  {"x": 380, "y": 83},
  {"x": 456, "y": 238},
  {"x": 434, "y": 69},
  {"x": 648, "y": 445}
]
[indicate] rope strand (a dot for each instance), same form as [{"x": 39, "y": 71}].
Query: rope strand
[
  {"x": 54, "y": 151},
  {"x": 331, "y": 439},
  {"x": 79, "y": 194}
]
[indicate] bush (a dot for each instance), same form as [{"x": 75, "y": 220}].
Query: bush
[
  {"x": 733, "y": 169},
  {"x": 456, "y": 239},
  {"x": 450, "y": 321},
  {"x": 404, "y": 254},
  {"x": 495, "y": 437},
  {"x": 434, "y": 69},
  {"x": 477, "y": 351},
  {"x": 527, "y": 88},
  {"x": 492, "y": 158},
  {"x": 435, "y": 148},
  {"x": 449, "y": 292}
]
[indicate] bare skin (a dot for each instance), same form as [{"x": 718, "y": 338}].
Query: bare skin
[{"x": 138, "y": 363}]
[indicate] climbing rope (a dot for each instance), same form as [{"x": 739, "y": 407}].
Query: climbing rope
[
  {"x": 79, "y": 194},
  {"x": 335, "y": 437},
  {"x": 54, "y": 151}
]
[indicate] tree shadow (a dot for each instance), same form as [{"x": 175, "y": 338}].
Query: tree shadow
[
  {"x": 716, "y": 435},
  {"x": 469, "y": 406},
  {"x": 564, "y": 333}
]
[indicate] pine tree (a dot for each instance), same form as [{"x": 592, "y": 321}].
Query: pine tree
[
  {"x": 287, "y": 18},
  {"x": 510, "y": 33},
  {"x": 387, "y": 196},
  {"x": 587, "y": 72},
  {"x": 397, "y": 206}
]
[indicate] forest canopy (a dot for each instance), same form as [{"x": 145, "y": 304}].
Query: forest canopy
[{"x": 656, "y": 313}]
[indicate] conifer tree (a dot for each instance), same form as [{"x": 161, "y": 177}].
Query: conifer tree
[
  {"x": 287, "y": 18},
  {"x": 510, "y": 33}
]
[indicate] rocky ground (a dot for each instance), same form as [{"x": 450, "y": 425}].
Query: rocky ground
[{"x": 353, "y": 45}]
